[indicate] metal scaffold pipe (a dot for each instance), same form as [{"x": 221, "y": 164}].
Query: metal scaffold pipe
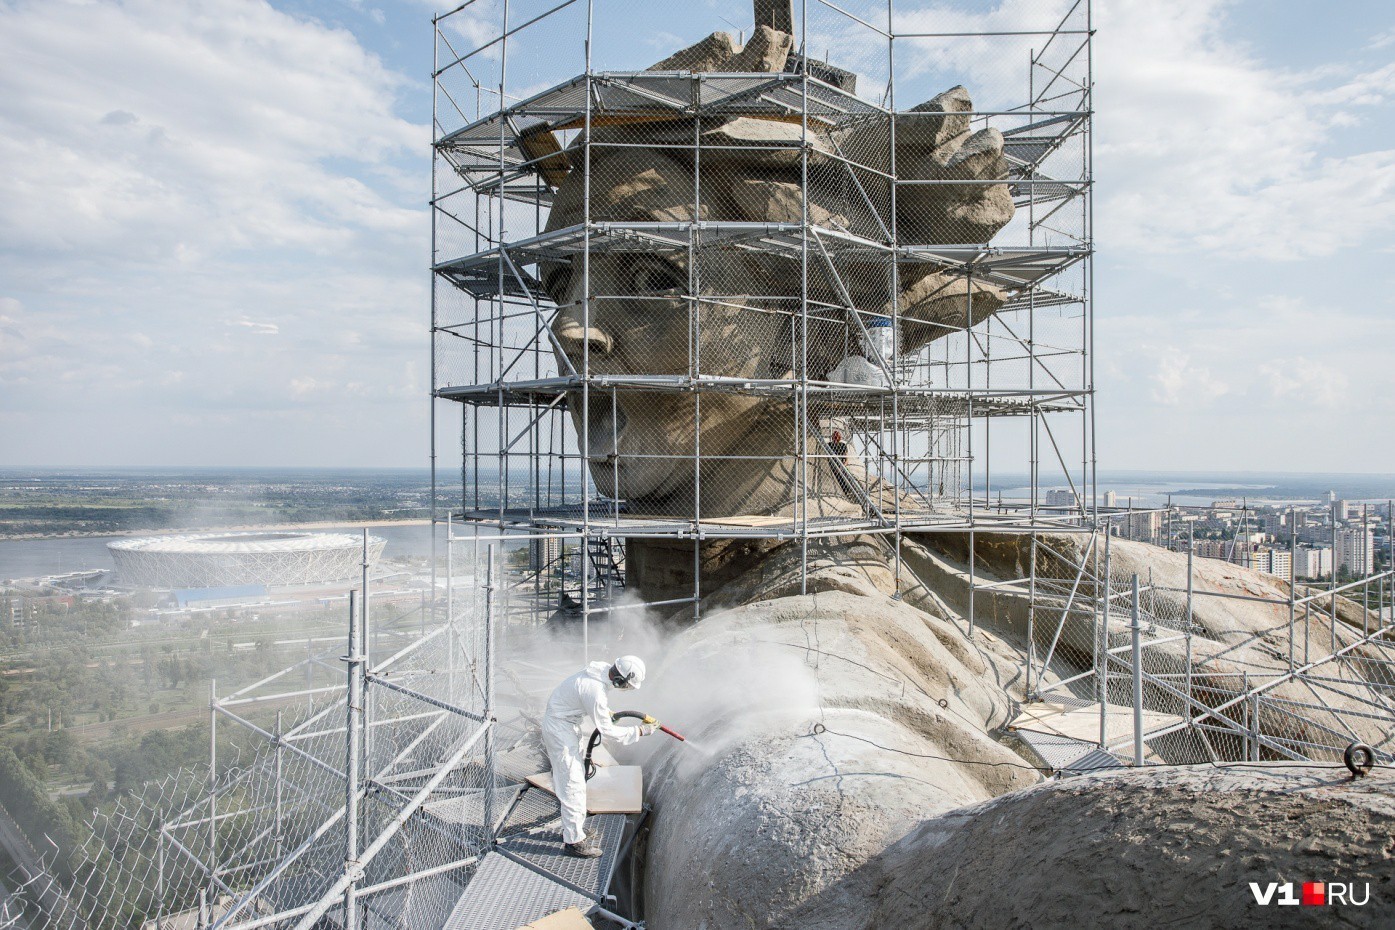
[
  {"x": 1136, "y": 632},
  {"x": 353, "y": 764}
]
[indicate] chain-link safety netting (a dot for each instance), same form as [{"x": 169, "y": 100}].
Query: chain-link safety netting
[
  {"x": 1220, "y": 665},
  {"x": 761, "y": 286}
]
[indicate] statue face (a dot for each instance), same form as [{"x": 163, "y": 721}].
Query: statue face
[
  {"x": 735, "y": 313},
  {"x": 641, "y": 320}
]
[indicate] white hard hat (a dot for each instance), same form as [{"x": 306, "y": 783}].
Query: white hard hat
[{"x": 627, "y": 672}]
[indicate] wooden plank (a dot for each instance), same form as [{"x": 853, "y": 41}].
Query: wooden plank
[
  {"x": 615, "y": 789},
  {"x": 746, "y": 520},
  {"x": 570, "y": 919},
  {"x": 1083, "y": 723}
]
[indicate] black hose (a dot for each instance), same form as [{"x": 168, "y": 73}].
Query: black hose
[{"x": 595, "y": 739}]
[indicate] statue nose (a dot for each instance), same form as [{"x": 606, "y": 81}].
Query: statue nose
[{"x": 574, "y": 338}]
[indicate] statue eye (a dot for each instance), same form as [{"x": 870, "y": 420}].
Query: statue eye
[{"x": 656, "y": 277}]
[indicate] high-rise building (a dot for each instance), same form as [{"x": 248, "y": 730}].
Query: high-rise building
[
  {"x": 1111, "y": 499},
  {"x": 1211, "y": 548},
  {"x": 1312, "y": 562},
  {"x": 1356, "y": 551},
  {"x": 1269, "y": 561},
  {"x": 543, "y": 553},
  {"x": 1145, "y": 526},
  {"x": 1316, "y": 534}
]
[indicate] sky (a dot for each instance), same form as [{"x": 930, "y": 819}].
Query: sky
[{"x": 214, "y": 234}]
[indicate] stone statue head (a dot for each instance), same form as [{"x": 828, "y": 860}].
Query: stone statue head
[{"x": 661, "y": 312}]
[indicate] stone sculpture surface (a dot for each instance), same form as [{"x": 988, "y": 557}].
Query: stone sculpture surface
[
  {"x": 858, "y": 706},
  {"x": 642, "y": 318}
]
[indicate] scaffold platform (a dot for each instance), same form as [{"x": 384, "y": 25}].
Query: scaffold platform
[
  {"x": 1065, "y": 731},
  {"x": 529, "y": 874}
]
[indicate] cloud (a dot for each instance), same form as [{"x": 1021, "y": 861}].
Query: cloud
[
  {"x": 129, "y": 130},
  {"x": 1178, "y": 380},
  {"x": 175, "y": 178},
  {"x": 1200, "y": 145},
  {"x": 1306, "y": 381},
  {"x": 1204, "y": 147},
  {"x": 257, "y": 329}
]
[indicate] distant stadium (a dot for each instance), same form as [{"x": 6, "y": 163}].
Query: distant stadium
[{"x": 215, "y": 560}]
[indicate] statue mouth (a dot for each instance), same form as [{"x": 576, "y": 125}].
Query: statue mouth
[{"x": 605, "y": 428}]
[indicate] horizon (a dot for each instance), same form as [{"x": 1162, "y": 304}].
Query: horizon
[
  {"x": 426, "y": 469},
  {"x": 233, "y": 288}
]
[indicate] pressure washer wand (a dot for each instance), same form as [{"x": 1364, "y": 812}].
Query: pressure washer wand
[
  {"x": 595, "y": 740},
  {"x": 663, "y": 729}
]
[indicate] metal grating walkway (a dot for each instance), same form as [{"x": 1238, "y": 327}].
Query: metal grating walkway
[
  {"x": 543, "y": 849},
  {"x": 1095, "y": 760},
  {"x": 530, "y": 875},
  {"x": 505, "y": 896},
  {"x": 1068, "y": 756}
]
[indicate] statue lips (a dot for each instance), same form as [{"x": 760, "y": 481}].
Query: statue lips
[{"x": 605, "y": 431}]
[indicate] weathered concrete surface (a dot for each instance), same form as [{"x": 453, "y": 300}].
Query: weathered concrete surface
[
  {"x": 1152, "y": 848},
  {"x": 778, "y": 823},
  {"x": 937, "y": 304},
  {"x": 1233, "y": 640},
  {"x": 828, "y": 724},
  {"x": 934, "y": 143},
  {"x": 753, "y": 170}
]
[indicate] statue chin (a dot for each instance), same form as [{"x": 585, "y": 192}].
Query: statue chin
[{"x": 644, "y": 486}]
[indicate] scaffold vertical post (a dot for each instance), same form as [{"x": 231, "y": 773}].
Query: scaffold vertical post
[
  {"x": 365, "y": 636},
  {"x": 450, "y": 608},
  {"x": 279, "y": 751},
  {"x": 353, "y": 762},
  {"x": 1031, "y": 617},
  {"x": 1102, "y": 668},
  {"x": 1136, "y": 632},
  {"x": 212, "y": 781},
  {"x": 1254, "y": 721},
  {"x": 1292, "y": 580},
  {"x": 1191, "y": 598},
  {"x": 489, "y": 620}
]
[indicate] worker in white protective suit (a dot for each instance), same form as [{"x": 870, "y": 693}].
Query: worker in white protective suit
[{"x": 576, "y": 708}]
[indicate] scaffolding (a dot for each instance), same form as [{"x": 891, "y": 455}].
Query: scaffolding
[
  {"x": 787, "y": 285},
  {"x": 1130, "y": 669},
  {"x": 382, "y": 785},
  {"x": 759, "y": 291}
]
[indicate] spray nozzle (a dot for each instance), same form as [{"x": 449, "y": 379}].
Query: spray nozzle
[{"x": 652, "y": 721}]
